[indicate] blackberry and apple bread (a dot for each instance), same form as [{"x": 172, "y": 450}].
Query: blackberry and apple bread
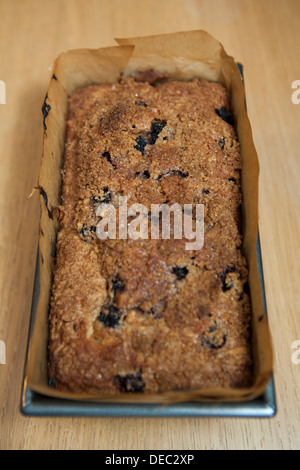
[{"x": 148, "y": 315}]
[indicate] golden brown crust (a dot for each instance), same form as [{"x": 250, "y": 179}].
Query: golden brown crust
[{"x": 149, "y": 315}]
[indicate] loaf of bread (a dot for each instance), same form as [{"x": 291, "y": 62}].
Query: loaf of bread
[{"x": 148, "y": 315}]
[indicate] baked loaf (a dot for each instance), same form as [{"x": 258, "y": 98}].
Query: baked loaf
[{"x": 148, "y": 315}]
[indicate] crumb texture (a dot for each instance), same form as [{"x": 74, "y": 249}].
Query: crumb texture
[{"x": 148, "y": 315}]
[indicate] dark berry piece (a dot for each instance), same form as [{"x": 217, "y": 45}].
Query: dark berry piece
[
  {"x": 181, "y": 173},
  {"x": 45, "y": 111},
  {"x": 174, "y": 172},
  {"x": 156, "y": 128},
  {"x": 140, "y": 144},
  {"x": 141, "y": 103},
  {"x": 212, "y": 328},
  {"x": 104, "y": 199},
  {"x": 158, "y": 309},
  {"x": 130, "y": 382},
  {"x": 52, "y": 383},
  {"x": 150, "y": 137},
  {"x": 107, "y": 196},
  {"x": 206, "y": 191},
  {"x": 213, "y": 338},
  {"x": 110, "y": 316},
  {"x": 107, "y": 156},
  {"x": 146, "y": 174},
  {"x": 221, "y": 143},
  {"x": 117, "y": 284},
  {"x": 45, "y": 197},
  {"x": 180, "y": 273},
  {"x": 226, "y": 285},
  {"x": 96, "y": 199},
  {"x": 224, "y": 114},
  {"x": 84, "y": 231}
]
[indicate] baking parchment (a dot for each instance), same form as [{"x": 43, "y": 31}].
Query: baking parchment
[{"x": 183, "y": 56}]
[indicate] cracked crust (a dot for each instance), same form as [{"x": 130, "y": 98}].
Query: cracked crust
[{"x": 149, "y": 315}]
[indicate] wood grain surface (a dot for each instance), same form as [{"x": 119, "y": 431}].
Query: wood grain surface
[{"x": 262, "y": 34}]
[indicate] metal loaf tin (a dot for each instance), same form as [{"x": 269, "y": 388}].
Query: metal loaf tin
[{"x": 35, "y": 404}]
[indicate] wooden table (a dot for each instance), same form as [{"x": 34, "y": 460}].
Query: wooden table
[{"x": 262, "y": 34}]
